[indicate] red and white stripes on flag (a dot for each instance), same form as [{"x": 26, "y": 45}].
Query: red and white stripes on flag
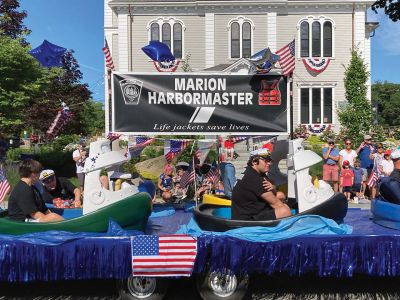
[
  {"x": 188, "y": 177},
  {"x": 4, "y": 185},
  {"x": 173, "y": 148},
  {"x": 108, "y": 57},
  {"x": 373, "y": 178},
  {"x": 287, "y": 58},
  {"x": 113, "y": 136},
  {"x": 213, "y": 175},
  {"x": 168, "y": 255}
]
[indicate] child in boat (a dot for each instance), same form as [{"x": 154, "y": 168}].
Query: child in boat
[
  {"x": 346, "y": 179},
  {"x": 165, "y": 183},
  {"x": 179, "y": 191}
]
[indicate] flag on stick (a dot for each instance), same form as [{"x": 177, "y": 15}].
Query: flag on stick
[
  {"x": 373, "y": 178},
  {"x": 112, "y": 136},
  {"x": 287, "y": 58},
  {"x": 4, "y": 185},
  {"x": 172, "y": 148},
  {"x": 108, "y": 57},
  {"x": 213, "y": 175},
  {"x": 188, "y": 177},
  {"x": 169, "y": 255}
]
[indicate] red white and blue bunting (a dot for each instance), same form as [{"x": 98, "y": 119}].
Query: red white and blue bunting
[
  {"x": 316, "y": 65},
  {"x": 317, "y": 128}
]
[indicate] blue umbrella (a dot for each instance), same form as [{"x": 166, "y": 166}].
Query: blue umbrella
[
  {"x": 159, "y": 52},
  {"x": 48, "y": 54}
]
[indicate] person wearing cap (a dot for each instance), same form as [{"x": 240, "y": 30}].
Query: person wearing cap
[
  {"x": 387, "y": 163},
  {"x": 396, "y": 162},
  {"x": 79, "y": 156},
  {"x": 58, "y": 188},
  {"x": 330, "y": 170},
  {"x": 25, "y": 202},
  {"x": 346, "y": 179},
  {"x": 254, "y": 197},
  {"x": 364, "y": 152}
]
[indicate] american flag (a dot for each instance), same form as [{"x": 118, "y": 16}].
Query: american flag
[
  {"x": 237, "y": 139},
  {"x": 287, "y": 58},
  {"x": 168, "y": 255},
  {"x": 107, "y": 54},
  {"x": 4, "y": 185},
  {"x": 173, "y": 147},
  {"x": 373, "y": 178},
  {"x": 112, "y": 136},
  {"x": 188, "y": 177},
  {"x": 140, "y": 142},
  {"x": 213, "y": 175},
  {"x": 203, "y": 148}
]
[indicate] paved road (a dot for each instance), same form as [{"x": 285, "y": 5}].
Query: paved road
[{"x": 261, "y": 288}]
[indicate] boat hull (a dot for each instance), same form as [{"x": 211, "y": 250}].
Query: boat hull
[
  {"x": 130, "y": 213},
  {"x": 334, "y": 208}
]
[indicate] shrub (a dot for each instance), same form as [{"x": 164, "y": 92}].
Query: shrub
[{"x": 62, "y": 141}]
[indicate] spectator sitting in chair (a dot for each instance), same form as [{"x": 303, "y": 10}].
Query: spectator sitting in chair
[{"x": 59, "y": 187}]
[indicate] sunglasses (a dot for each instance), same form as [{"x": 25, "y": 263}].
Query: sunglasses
[
  {"x": 267, "y": 160},
  {"x": 348, "y": 143},
  {"x": 48, "y": 180},
  {"x": 331, "y": 143},
  {"x": 379, "y": 147}
]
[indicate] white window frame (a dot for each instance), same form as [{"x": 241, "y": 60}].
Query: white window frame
[
  {"x": 241, "y": 20},
  {"x": 321, "y": 87},
  {"x": 171, "y": 21},
  {"x": 310, "y": 20}
]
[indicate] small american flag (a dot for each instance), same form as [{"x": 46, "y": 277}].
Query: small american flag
[
  {"x": 107, "y": 54},
  {"x": 168, "y": 255},
  {"x": 173, "y": 147},
  {"x": 4, "y": 185},
  {"x": 213, "y": 175},
  {"x": 237, "y": 139},
  {"x": 373, "y": 178},
  {"x": 188, "y": 177},
  {"x": 140, "y": 142},
  {"x": 113, "y": 136},
  {"x": 287, "y": 58}
]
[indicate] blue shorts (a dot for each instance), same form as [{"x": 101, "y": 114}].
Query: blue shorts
[{"x": 357, "y": 187}]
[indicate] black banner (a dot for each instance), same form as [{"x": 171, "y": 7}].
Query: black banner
[{"x": 194, "y": 103}]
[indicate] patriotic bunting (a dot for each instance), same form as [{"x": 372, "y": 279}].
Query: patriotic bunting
[
  {"x": 317, "y": 65},
  {"x": 169, "y": 255},
  {"x": 173, "y": 148},
  {"x": 64, "y": 115},
  {"x": 138, "y": 144}
]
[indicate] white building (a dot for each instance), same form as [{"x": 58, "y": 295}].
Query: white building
[{"x": 218, "y": 33}]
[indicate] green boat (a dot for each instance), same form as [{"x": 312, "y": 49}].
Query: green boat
[{"x": 130, "y": 213}]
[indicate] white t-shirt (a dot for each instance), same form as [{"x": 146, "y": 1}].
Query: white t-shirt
[
  {"x": 350, "y": 156},
  {"x": 80, "y": 163},
  {"x": 387, "y": 167}
]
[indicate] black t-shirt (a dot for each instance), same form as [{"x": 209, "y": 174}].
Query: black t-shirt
[
  {"x": 246, "y": 196},
  {"x": 396, "y": 174},
  {"x": 64, "y": 190},
  {"x": 24, "y": 201}
]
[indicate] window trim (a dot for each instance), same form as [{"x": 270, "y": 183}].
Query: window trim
[
  {"x": 171, "y": 21},
  {"x": 240, "y": 20},
  {"x": 321, "y": 87},
  {"x": 310, "y": 20}
]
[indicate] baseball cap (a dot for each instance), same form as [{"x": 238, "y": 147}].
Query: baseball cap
[
  {"x": 46, "y": 174},
  {"x": 395, "y": 154},
  {"x": 263, "y": 152},
  {"x": 367, "y": 137},
  {"x": 387, "y": 152},
  {"x": 346, "y": 163}
]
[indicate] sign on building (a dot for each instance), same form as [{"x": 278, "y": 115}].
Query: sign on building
[{"x": 183, "y": 103}]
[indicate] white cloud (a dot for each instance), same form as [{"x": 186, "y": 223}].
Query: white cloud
[{"x": 387, "y": 35}]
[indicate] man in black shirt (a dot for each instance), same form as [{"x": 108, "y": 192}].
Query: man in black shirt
[
  {"x": 396, "y": 162},
  {"x": 58, "y": 187},
  {"x": 25, "y": 201},
  {"x": 254, "y": 197}
]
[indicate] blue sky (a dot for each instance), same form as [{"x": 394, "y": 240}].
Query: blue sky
[{"x": 78, "y": 25}]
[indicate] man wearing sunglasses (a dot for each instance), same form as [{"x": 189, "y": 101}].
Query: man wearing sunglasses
[
  {"x": 254, "y": 197},
  {"x": 58, "y": 187},
  {"x": 330, "y": 170}
]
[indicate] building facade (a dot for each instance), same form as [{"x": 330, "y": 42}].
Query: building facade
[{"x": 208, "y": 33}]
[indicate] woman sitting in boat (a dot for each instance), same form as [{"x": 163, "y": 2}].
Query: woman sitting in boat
[
  {"x": 254, "y": 197},
  {"x": 26, "y": 203},
  {"x": 165, "y": 183}
]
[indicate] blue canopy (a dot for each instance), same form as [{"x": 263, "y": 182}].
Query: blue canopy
[{"x": 48, "y": 54}]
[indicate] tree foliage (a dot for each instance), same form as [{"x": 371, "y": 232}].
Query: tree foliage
[
  {"x": 356, "y": 115},
  {"x": 391, "y": 7},
  {"x": 11, "y": 20},
  {"x": 387, "y": 97},
  {"x": 92, "y": 118}
]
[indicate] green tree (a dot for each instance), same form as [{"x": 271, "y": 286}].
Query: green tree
[
  {"x": 391, "y": 7},
  {"x": 92, "y": 117},
  {"x": 387, "y": 97},
  {"x": 356, "y": 115},
  {"x": 21, "y": 79},
  {"x": 11, "y": 20}
]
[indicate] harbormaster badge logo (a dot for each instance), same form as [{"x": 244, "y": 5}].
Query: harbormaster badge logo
[{"x": 131, "y": 90}]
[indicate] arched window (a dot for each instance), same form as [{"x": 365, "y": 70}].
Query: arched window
[
  {"x": 304, "y": 39},
  {"x": 171, "y": 30},
  {"x": 240, "y": 37},
  {"x": 316, "y": 37},
  {"x": 155, "y": 32}
]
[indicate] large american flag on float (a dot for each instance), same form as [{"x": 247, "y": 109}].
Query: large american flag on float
[
  {"x": 172, "y": 148},
  {"x": 138, "y": 144},
  {"x": 287, "y": 58},
  {"x": 4, "y": 185},
  {"x": 108, "y": 57},
  {"x": 168, "y": 255}
]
